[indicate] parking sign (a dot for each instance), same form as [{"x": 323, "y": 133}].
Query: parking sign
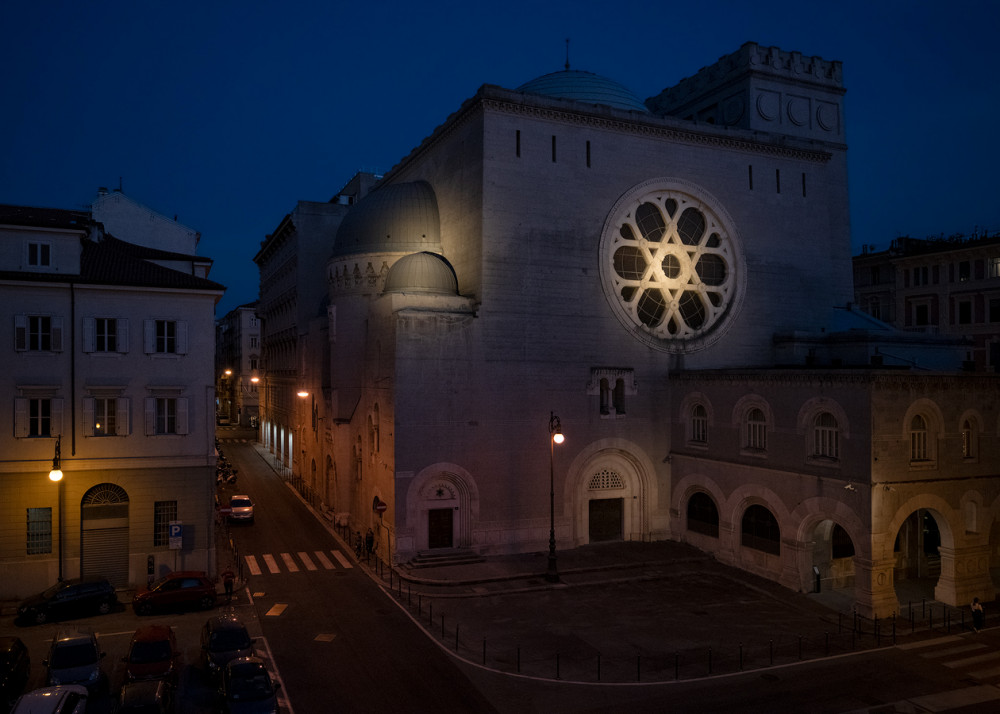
[{"x": 176, "y": 535}]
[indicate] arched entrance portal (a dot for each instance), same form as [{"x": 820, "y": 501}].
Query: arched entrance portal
[
  {"x": 445, "y": 508},
  {"x": 832, "y": 558},
  {"x": 917, "y": 554},
  {"x": 609, "y": 495},
  {"x": 104, "y": 523}
]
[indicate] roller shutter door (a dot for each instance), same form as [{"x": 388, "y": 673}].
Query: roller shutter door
[{"x": 105, "y": 554}]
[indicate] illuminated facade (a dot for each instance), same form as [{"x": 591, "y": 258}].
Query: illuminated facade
[
  {"x": 108, "y": 350},
  {"x": 673, "y": 279}
]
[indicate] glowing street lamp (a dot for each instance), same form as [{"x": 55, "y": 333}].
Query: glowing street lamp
[
  {"x": 555, "y": 437},
  {"x": 56, "y": 476}
]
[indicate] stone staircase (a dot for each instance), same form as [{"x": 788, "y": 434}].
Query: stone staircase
[{"x": 444, "y": 557}]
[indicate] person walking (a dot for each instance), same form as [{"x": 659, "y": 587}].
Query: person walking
[
  {"x": 978, "y": 615},
  {"x": 228, "y": 576},
  {"x": 369, "y": 542}
]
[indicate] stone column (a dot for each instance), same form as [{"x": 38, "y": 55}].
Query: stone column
[
  {"x": 874, "y": 588},
  {"x": 965, "y": 574}
]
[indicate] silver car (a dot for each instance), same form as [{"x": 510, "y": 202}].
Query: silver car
[{"x": 241, "y": 509}]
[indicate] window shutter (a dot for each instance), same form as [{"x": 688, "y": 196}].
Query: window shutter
[
  {"x": 149, "y": 336},
  {"x": 56, "y": 407},
  {"x": 182, "y": 415},
  {"x": 89, "y": 334},
  {"x": 57, "y": 334},
  {"x": 88, "y": 416},
  {"x": 182, "y": 337},
  {"x": 121, "y": 329},
  {"x": 121, "y": 417},
  {"x": 20, "y": 332},
  {"x": 20, "y": 417},
  {"x": 150, "y": 415}
]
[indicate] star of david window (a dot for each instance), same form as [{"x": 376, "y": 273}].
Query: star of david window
[{"x": 671, "y": 265}]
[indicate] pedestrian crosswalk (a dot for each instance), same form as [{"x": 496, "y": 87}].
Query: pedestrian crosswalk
[
  {"x": 300, "y": 561},
  {"x": 971, "y": 656}
]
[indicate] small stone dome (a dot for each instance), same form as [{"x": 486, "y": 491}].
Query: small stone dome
[
  {"x": 423, "y": 272},
  {"x": 584, "y": 87},
  {"x": 397, "y": 217}
]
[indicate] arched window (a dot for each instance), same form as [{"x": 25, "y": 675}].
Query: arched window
[
  {"x": 826, "y": 437},
  {"x": 702, "y": 515},
  {"x": 756, "y": 430},
  {"x": 699, "y": 424},
  {"x": 968, "y": 440},
  {"x": 759, "y": 530},
  {"x": 918, "y": 439}
]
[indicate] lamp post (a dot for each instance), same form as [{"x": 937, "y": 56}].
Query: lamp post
[
  {"x": 555, "y": 437},
  {"x": 56, "y": 475}
]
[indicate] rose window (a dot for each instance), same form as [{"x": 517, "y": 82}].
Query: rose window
[{"x": 671, "y": 266}]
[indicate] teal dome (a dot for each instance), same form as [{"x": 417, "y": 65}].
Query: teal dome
[
  {"x": 399, "y": 217},
  {"x": 583, "y": 86}
]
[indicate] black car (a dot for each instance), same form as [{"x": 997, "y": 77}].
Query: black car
[
  {"x": 151, "y": 696},
  {"x": 224, "y": 638},
  {"x": 15, "y": 665},
  {"x": 78, "y": 597},
  {"x": 247, "y": 687}
]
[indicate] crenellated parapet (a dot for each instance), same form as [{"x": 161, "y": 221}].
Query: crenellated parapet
[{"x": 763, "y": 89}]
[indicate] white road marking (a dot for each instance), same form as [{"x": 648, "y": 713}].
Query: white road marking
[
  {"x": 304, "y": 557},
  {"x": 323, "y": 560},
  {"x": 272, "y": 565},
  {"x": 290, "y": 562},
  {"x": 344, "y": 562},
  {"x": 252, "y": 564}
]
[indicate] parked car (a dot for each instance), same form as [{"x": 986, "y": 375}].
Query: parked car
[
  {"x": 63, "y": 699},
  {"x": 224, "y": 638},
  {"x": 152, "y": 654},
  {"x": 151, "y": 696},
  {"x": 247, "y": 687},
  {"x": 181, "y": 589},
  {"x": 15, "y": 666},
  {"x": 78, "y": 597},
  {"x": 75, "y": 658},
  {"x": 240, "y": 509}
]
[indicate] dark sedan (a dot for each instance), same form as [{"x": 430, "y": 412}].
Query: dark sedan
[
  {"x": 79, "y": 597},
  {"x": 247, "y": 687},
  {"x": 15, "y": 666}
]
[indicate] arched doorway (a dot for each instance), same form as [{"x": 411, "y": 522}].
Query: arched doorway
[
  {"x": 917, "y": 556},
  {"x": 443, "y": 508},
  {"x": 832, "y": 558},
  {"x": 104, "y": 524},
  {"x": 608, "y": 494}
]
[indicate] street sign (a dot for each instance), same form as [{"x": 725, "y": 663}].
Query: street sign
[
  {"x": 175, "y": 532},
  {"x": 382, "y": 507}
]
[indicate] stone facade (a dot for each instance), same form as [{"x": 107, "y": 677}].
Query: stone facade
[{"x": 654, "y": 279}]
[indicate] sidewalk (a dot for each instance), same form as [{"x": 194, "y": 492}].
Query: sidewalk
[{"x": 632, "y": 612}]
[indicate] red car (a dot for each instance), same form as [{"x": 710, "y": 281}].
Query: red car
[
  {"x": 152, "y": 654},
  {"x": 182, "y": 589}
]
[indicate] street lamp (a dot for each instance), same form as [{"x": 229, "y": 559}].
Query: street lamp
[
  {"x": 56, "y": 475},
  {"x": 555, "y": 437}
]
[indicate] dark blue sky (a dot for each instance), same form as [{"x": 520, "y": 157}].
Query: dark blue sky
[{"x": 226, "y": 113}]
